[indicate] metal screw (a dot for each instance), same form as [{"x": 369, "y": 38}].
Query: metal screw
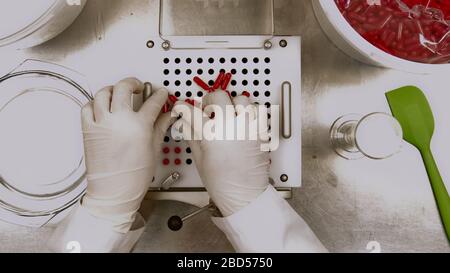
[
  {"x": 284, "y": 178},
  {"x": 166, "y": 45},
  {"x": 267, "y": 44},
  {"x": 283, "y": 43},
  {"x": 150, "y": 44}
]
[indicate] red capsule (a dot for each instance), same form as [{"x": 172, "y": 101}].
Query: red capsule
[
  {"x": 173, "y": 98},
  {"x": 219, "y": 80},
  {"x": 191, "y": 102},
  {"x": 166, "y": 150},
  {"x": 177, "y": 150},
  {"x": 202, "y": 84},
  {"x": 166, "y": 108},
  {"x": 177, "y": 161},
  {"x": 245, "y": 93},
  {"x": 166, "y": 162},
  {"x": 226, "y": 81}
]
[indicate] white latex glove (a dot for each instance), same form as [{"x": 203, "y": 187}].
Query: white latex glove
[
  {"x": 235, "y": 172},
  {"x": 120, "y": 147}
]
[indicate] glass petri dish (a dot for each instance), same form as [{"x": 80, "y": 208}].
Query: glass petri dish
[
  {"x": 42, "y": 170},
  {"x": 25, "y": 23},
  {"x": 19, "y": 17}
]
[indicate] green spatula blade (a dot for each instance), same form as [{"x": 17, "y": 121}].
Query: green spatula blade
[{"x": 411, "y": 108}]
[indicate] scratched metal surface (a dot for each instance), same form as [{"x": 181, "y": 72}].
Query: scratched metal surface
[{"x": 347, "y": 203}]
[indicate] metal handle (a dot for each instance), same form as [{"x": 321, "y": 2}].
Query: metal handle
[
  {"x": 216, "y": 40},
  {"x": 175, "y": 222},
  {"x": 286, "y": 110}
]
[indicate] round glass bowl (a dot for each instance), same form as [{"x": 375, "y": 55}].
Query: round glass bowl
[
  {"x": 42, "y": 170},
  {"x": 25, "y": 23},
  {"x": 345, "y": 37}
]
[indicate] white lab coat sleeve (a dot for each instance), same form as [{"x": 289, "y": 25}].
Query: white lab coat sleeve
[
  {"x": 269, "y": 224},
  {"x": 82, "y": 232}
]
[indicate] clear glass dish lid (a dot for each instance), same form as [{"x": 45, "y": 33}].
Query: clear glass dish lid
[{"x": 42, "y": 170}]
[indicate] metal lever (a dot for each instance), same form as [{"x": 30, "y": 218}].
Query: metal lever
[
  {"x": 169, "y": 181},
  {"x": 175, "y": 223},
  {"x": 148, "y": 89}
]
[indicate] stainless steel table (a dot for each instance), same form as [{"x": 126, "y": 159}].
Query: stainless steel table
[{"x": 347, "y": 203}]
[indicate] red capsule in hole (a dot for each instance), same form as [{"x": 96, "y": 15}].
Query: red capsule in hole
[
  {"x": 202, "y": 84},
  {"x": 219, "y": 80},
  {"x": 226, "y": 81}
]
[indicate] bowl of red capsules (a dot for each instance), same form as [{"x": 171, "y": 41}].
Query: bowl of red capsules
[{"x": 408, "y": 35}]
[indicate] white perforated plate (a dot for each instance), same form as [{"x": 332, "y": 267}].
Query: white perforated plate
[{"x": 261, "y": 72}]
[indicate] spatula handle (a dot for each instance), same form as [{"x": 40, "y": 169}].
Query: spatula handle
[{"x": 439, "y": 190}]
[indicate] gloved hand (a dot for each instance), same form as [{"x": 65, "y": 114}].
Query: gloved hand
[
  {"x": 235, "y": 172},
  {"x": 120, "y": 147}
]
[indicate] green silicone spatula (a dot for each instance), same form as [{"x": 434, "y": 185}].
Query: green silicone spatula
[{"x": 410, "y": 107}]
